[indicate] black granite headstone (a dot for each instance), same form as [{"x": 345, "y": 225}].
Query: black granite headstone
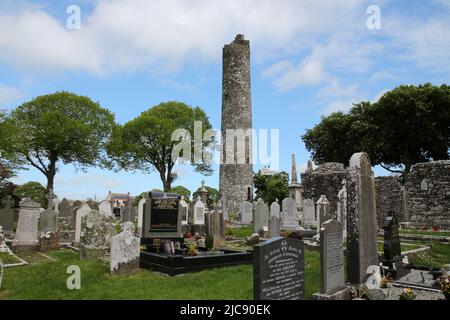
[
  {"x": 278, "y": 270},
  {"x": 392, "y": 247}
]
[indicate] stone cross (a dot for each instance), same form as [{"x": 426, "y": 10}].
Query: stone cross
[{"x": 362, "y": 250}]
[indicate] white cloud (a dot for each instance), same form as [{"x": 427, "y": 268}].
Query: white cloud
[
  {"x": 8, "y": 94},
  {"x": 305, "y": 74}
]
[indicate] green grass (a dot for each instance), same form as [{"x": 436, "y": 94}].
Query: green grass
[
  {"x": 436, "y": 257},
  {"x": 404, "y": 247},
  {"x": 45, "y": 279},
  {"x": 7, "y": 258},
  {"x": 240, "y": 232},
  {"x": 426, "y": 233}
]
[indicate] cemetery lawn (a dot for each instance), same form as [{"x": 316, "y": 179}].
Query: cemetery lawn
[
  {"x": 438, "y": 256},
  {"x": 46, "y": 279},
  {"x": 7, "y": 258},
  {"x": 239, "y": 232},
  {"x": 426, "y": 233}
]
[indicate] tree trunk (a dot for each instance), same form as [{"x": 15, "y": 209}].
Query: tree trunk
[{"x": 51, "y": 174}]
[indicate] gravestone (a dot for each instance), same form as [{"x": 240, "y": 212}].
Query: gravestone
[
  {"x": 105, "y": 208},
  {"x": 48, "y": 221},
  {"x": 27, "y": 226},
  {"x": 278, "y": 270},
  {"x": 289, "y": 215},
  {"x": 162, "y": 217},
  {"x": 274, "y": 227},
  {"x": 342, "y": 208},
  {"x": 3, "y": 246},
  {"x": 65, "y": 209},
  {"x": 246, "y": 212},
  {"x": 332, "y": 273},
  {"x": 199, "y": 212},
  {"x": 96, "y": 233},
  {"x": 392, "y": 247},
  {"x": 141, "y": 207},
  {"x": 125, "y": 251},
  {"x": 309, "y": 214},
  {"x": 215, "y": 227},
  {"x": 361, "y": 219},
  {"x": 81, "y": 212},
  {"x": 323, "y": 207},
  {"x": 184, "y": 211},
  {"x": 7, "y": 214},
  {"x": 260, "y": 217}
]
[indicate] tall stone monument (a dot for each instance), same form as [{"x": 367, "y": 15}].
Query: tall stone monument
[
  {"x": 361, "y": 219},
  {"x": 236, "y": 169},
  {"x": 295, "y": 189},
  {"x": 27, "y": 226}
]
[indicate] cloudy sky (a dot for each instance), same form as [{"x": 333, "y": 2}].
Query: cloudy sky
[{"x": 309, "y": 58}]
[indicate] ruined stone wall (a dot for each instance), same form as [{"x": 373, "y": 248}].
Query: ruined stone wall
[
  {"x": 428, "y": 194},
  {"x": 388, "y": 197},
  {"x": 326, "y": 180},
  {"x": 236, "y": 179}
]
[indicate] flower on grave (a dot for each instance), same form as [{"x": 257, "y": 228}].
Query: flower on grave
[
  {"x": 385, "y": 282},
  {"x": 445, "y": 285},
  {"x": 407, "y": 294}
]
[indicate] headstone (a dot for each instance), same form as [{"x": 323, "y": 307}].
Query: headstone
[
  {"x": 27, "y": 226},
  {"x": 162, "y": 216},
  {"x": 275, "y": 209},
  {"x": 309, "y": 213},
  {"x": 141, "y": 207},
  {"x": 274, "y": 227},
  {"x": 199, "y": 212},
  {"x": 105, "y": 208},
  {"x": 289, "y": 215},
  {"x": 278, "y": 270},
  {"x": 81, "y": 212},
  {"x": 48, "y": 221},
  {"x": 184, "y": 211},
  {"x": 332, "y": 274},
  {"x": 223, "y": 207},
  {"x": 260, "y": 217},
  {"x": 246, "y": 212},
  {"x": 96, "y": 233},
  {"x": 125, "y": 251},
  {"x": 7, "y": 214},
  {"x": 361, "y": 219},
  {"x": 215, "y": 227},
  {"x": 3, "y": 246},
  {"x": 65, "y": 209},
  {"x": 392, "y": 247},
  {"x": 323, "y": 207},
  {"x": 127, "y": 211},
  {"x": 342, "y": 208}
]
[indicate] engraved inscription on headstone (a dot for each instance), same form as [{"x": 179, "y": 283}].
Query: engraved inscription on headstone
[
  {"x": 332, "y": 276},
  {"x": 278, "y": 270}
]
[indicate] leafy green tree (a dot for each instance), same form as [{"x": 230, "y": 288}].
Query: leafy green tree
[
  {"x": 9, "y": 160},
  {"x": 213, "y": 195},
  {"x": 145, "y": 143},
  {"x": 60, "y": 128},
  {"x": 32, "y": 190},
  {"x": 182, "y": 191},
  {"x": 271, "y": 187},
  {"x": 409, "y": 124}
]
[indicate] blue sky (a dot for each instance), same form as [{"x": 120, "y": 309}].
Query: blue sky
[{"x": 309, "y": 58}]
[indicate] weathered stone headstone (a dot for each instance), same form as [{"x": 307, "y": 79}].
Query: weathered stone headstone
[
  {"x": 342, "y": 208},
  {"x": 7, "y": 214},
  {"x": 199, "y": 212},
  {"x": 392, "y": 247},
  {"x": 215, "y": 227},
  {"x": 361, "y": 219},
  {"x": 105, "y": 208},
  {"x": 65, "y": 209},
  {"x": 246, "y": 212},
  {"x": 125, "y": 250},
  {"x": 81, "y": 212},
  {"x": 48, "y": 221},
  {"x": 309, "y": 214},
  {"x": 184, "y": 211},
  {"x": 274, "y": 227},
  {"x": 260, "y": 217},
  {"x": 278, "y": 270},
  {"x": 27, "y": 226},
  {"x": 323, "y": 207},
  {"x": 332, "y": 274},
  {"x": 289, "y": 215},
  {"x": 141, "y": 207},
  {"x": 96, "y": 233}
]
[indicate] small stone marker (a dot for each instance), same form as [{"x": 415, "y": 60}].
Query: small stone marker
[
  {"x": 246, "y": 212},
  {"x": 309, "y": 213},
  {"x": 215, "y": 227},
  {"x": 199, "y": 212},
  {"x": 289, "y": 215},
  {"x": 332, "y": 274},
  {"x": 260, "y": 217},
  {"x": 278, "y": 270},
  {"x": 81, "y": 212},
  {"x": 125, "y": 251},
  {"x": 7, "y": 214},
  {"x": 27, "y": 226}
]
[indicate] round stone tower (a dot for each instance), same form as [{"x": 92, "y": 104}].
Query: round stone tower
[{"x": 236, "y": 169}]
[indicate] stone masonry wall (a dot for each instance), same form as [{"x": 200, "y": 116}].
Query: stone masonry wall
[
  {"x": 428, "y": 194},
  {"x": 388, "y": 197}
]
